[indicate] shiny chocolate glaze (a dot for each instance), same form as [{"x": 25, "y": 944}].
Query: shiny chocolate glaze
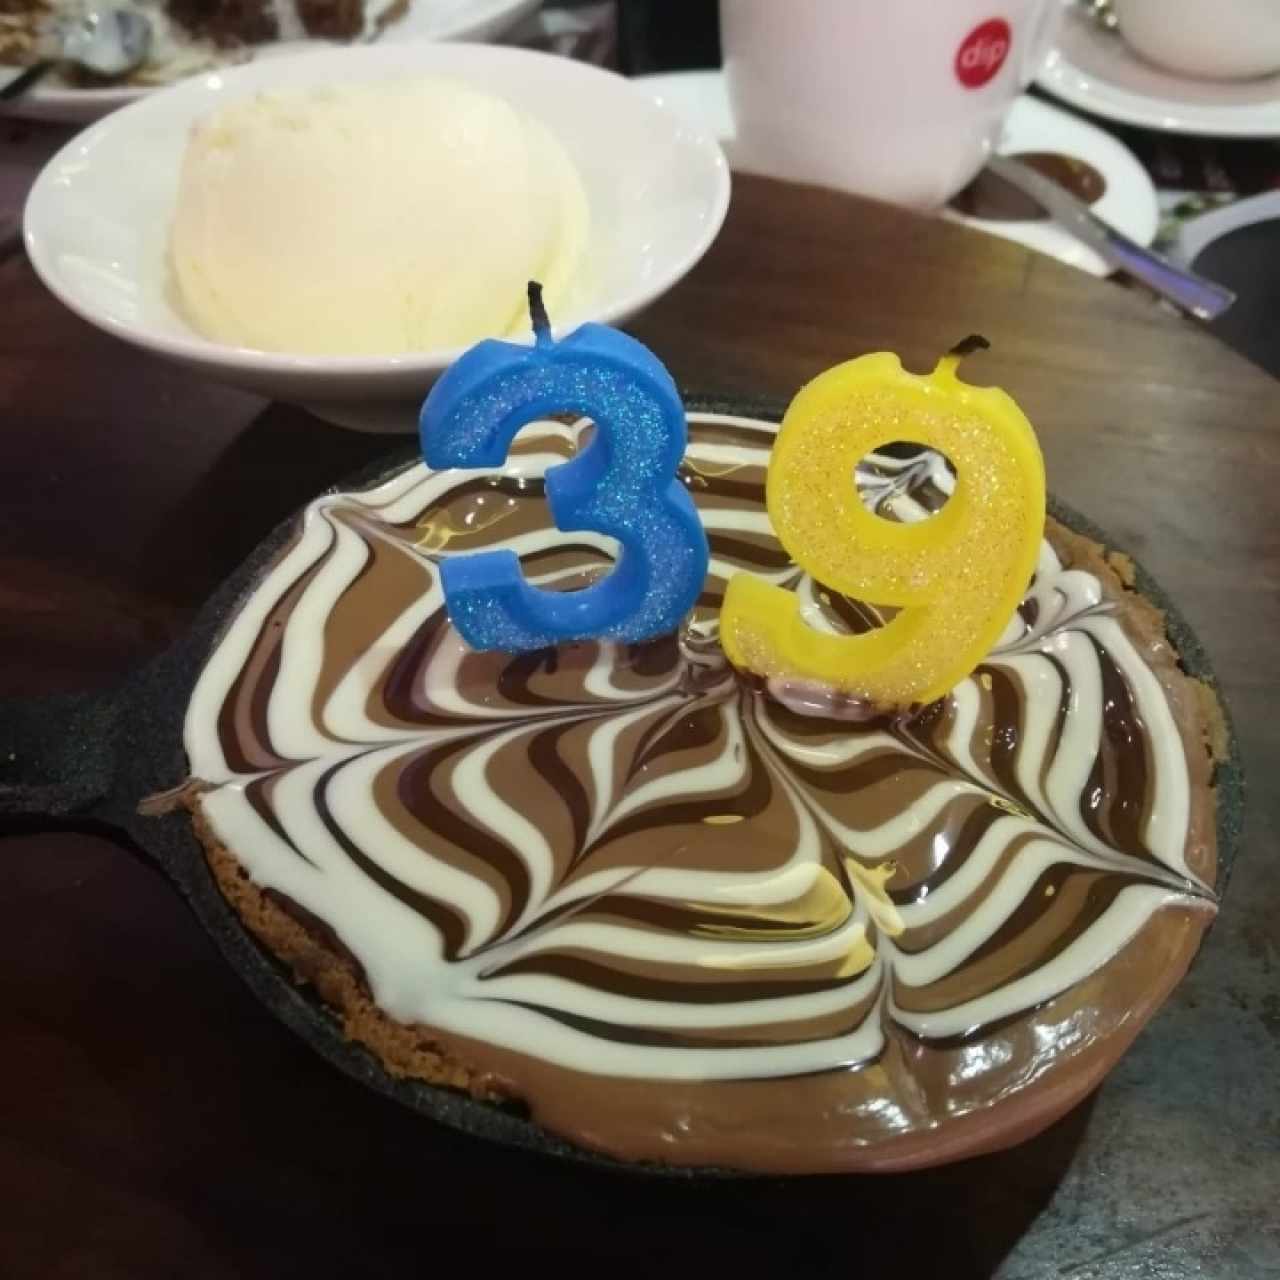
[{"x": 683, "y": 914}]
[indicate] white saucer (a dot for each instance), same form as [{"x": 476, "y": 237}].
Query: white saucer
[
  {"x": 54, "y": 99},
  {"x": 1128, "y": 204},
  {"x": 1095, "y": 70}
]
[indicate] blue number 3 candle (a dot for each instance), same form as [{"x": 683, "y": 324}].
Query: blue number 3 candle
[{"x": 622, "y": 484}]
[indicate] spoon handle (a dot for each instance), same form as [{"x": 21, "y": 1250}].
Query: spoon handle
[
  {"x": 1181, "y": 286},
  {"x": 24, "y": 80}
]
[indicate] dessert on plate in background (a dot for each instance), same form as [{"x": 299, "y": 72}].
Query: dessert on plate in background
[{"x": 189, "y": 35}]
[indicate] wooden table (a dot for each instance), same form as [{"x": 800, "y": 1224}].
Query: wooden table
[{"x": 155, "y": 1122}]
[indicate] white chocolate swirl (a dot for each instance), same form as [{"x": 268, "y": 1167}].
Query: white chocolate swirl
[{"x": 628, "y": 860}]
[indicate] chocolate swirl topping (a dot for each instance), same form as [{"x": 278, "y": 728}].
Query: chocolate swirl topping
[{"x": 630, "y": 861}]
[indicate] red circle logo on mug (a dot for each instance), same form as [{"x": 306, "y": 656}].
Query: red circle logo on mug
[{"x": 982, "y": 52}]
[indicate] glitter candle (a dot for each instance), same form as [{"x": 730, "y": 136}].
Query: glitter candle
[
  {"x": 623, "y": 485},
  {"x": 955, "y": 578}
]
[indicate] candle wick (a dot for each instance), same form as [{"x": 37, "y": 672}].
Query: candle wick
[
  {"x": 538, "y": 315},
  {"x": 967, "y": 346}
]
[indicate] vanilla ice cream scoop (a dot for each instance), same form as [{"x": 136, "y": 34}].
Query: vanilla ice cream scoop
[{"x": 373, "y": 219}]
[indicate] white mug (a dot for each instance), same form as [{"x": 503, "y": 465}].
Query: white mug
[
  {"x": 897, "y": 99},
  {"x": 1222, "y": 40}
]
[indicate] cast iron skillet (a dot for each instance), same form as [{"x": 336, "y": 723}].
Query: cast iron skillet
[{"x": 88, "y": 759}]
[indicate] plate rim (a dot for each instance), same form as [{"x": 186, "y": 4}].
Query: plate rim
[{"x": 1062, "y": 78}]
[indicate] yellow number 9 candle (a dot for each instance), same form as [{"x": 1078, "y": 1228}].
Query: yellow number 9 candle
[{"x": 956, "y": 577}]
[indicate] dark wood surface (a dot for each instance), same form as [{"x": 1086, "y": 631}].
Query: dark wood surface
[{"x": 155, "y": 1122}]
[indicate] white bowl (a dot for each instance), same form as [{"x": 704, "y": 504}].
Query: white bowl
[{"x": 97, "y": 219}]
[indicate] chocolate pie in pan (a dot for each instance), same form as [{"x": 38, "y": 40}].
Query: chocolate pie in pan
[{"x": 680, "y": 913}]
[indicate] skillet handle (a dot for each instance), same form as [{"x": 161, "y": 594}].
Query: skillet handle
[{"x": 58, "y": 757}]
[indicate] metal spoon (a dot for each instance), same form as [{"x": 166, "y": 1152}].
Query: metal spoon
[
  {"x": 106, "y": 40},
  {"x": 1178, "y": 284}
]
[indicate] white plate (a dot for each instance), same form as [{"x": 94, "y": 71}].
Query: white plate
[
  {"x": 1096, "y": 71},
  {"x": 426, "y": 20},
  {"x": 1128, "y": 204},
  {"x": 97, "y": 220}
]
